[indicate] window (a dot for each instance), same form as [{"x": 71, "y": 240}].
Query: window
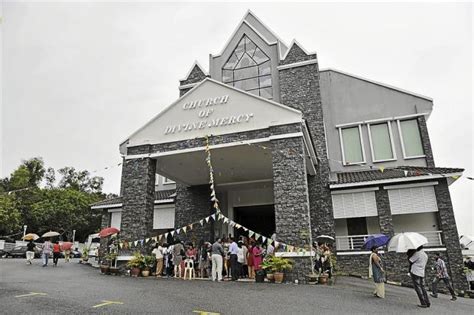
[
  {"x": 357, "y": 226},
  {"x": 163, "y": 217},
  {"x": 412, "y": 200},
  {"x": 354, "y": 204},
  {"x": 381, "y": 143},
  {"x": 116, "y": 219},
  {"x": 352, "y": 145},
  {"x": 249, "y": 69},
  {"x": 166, "y": 181},
  {"x": 410, "y": 138}
]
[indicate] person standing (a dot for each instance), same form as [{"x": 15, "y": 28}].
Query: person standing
[
  {"x": 251, "y": 270},
  {"x": 178, "y": 253},
  {"x": 376, "y": 271},
  {"x": 257, "y": 257},
  {"x": 56, "y": 253},
  {"x": 158, "y": 252},
  {"x": 217, "y": 256},
  {"x": 441, "y": 274},
  {"x": 30, "y": 251},
  {"x": 417, "y": 272},
  {"x": 46, "y": 251},
  {"x": 233, "y": 251},
  {"x": 244, "y": 263}
]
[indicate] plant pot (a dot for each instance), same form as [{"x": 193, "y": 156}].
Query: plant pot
[
  {"x": 323, "y": 279},
  {"x": 259, "y": 276},
  {"x": 312, "y": 278},
  {"x": 104, "y": 269},
  {"x": 114, "y": 271},
  {"x": 84, "y": 260},
  {"x": 135, "y": 272},
  {"x": 145, "y": 273},
  {"x": 270, "y": 277},
  {"x": 278, "y": 277}
]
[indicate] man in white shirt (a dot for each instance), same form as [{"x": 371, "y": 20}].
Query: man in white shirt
[
  {"x": 418, "y": 262},
  {"x": 234, "y": 269},
  {"x": 158, "y": 252}
]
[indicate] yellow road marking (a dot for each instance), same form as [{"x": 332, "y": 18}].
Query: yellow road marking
[
  {"x": 107, "y": 303},
  {"x": 205, "y": 313},
  {"x": 30, "y": 294}
]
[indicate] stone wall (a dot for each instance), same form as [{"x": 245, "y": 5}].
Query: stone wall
[
  {"x": 300, "y": 89},
  {"x": 193, "y": 204},
  {"x": 290, "y": 190},
  {"x": 138, "y": 198},
  {"x": 425, "y": 140},
  {"x": 450, "y": 235},
  {"x": 384, "y": 212}
]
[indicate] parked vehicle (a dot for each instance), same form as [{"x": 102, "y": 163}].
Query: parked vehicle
[{"x": 19, "y": 251}]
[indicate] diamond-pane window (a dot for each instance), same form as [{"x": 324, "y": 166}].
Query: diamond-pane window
[{"x": 249, "y": 69}]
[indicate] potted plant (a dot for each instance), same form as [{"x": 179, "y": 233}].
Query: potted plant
[
  {"x": 111, "y": 257},
  {"x": 85, "y": 254},
  {"x": 312, "y": 278},
  {"x": 280, "y": 265},
  {"x": 135, "y": 263},
  {"x": 147, "y": 264},
  {"x": 267, "y": 265}
]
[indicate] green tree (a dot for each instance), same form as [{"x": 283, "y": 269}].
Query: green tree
[
  {"x": 80, "y": 180},
  {"x": 10, "y": 217}
]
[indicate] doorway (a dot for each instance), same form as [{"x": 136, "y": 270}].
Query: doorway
[{"x": 260, "y": 219}]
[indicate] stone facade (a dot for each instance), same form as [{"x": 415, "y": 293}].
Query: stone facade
[
  {"x": 299, "y": 88},
  {"x": 290, "y": 190},
  {"x": 383, "y": 209},
  {"x": 138, "y": 198},
  {"x": 425, "y": 140},
  {"x": 447, "y": 222},
  {"x": 193, "y": 204},
  {"x": 195, "y": 76}
]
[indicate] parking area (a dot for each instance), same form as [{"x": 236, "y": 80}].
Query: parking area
[{"x": 75, "y": 288}]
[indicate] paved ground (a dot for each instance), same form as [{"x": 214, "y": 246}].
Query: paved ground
[{"x": 75, "y": 288}]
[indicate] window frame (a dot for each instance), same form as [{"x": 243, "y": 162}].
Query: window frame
[
  {"x": 402, "y": 140},
  {"x": 167, "y": 181},
  {"x": 341, "y": 140},
  {"x": 390, "y": 135}
]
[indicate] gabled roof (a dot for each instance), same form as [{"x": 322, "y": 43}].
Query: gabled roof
[
  {"x": 401, "y": 173},
  {"x": 377, "y": 83},
  {"x": 252, "y": 21},
  {"x": 195, "y": 67},
  {"x": 161, "y": 196}
]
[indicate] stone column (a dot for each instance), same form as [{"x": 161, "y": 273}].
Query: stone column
[
  {"x": 450, "y": 236},
  {"x": 384, "y": 212},
  {"x": 193, "y": 204},
  {"x": 425, "y": 140},
  {"x": 138, "y": 178},
  {"x": 290, "y": 189}
]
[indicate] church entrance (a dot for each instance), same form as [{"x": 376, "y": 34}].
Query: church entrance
[{"x": 260, "y": 219}]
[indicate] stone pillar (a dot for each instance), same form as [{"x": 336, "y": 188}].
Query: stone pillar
[
  {"x": 193, "y": 204},
  {"x": 425, "y": 140},
  {"x": 290, "y": 189},
  {"x": 138, "y": 178},
  {"x": 384, "y": 212},
  {"x": 450, "y": 236},
  {"x": 300, "y": 89}
]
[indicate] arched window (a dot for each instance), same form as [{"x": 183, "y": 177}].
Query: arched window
[{"x": 249, "y": 69}]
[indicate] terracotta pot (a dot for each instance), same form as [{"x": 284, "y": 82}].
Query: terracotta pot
[
  {"x": 270, "y": 277},
  {"x": 145, "y": 273},
  {"x": 323, "y": 279},
  {"x": 278, "y": 277},
  {"x": 114, "y": 271},
  {"x": 104, "y": 269},
  {"x": 135, "y": 272}
]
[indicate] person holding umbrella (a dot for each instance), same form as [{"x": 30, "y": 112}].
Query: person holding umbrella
[
  {"x": 30, "y": 251},
  {"x": 46, "y": 251},
  {"x": 417, "y": 272}
]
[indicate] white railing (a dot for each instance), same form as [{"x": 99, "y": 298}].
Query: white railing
[{"x": 355, "y": 242}]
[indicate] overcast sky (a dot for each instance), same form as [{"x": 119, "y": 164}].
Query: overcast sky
[{"x": 78, "y": 78}]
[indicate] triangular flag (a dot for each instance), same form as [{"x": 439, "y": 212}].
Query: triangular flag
[
  {"x": 226, "y": 220},
  {"x": 202, "y": 222},
  {"x": 135, "y": 243},
  {"x": 172, "y": 233},
  {"x": 251, "y": 233},
  {"x": 406, "y": 173},
  {"x": 257, "y": 236},
  {"x": 166, "y": 235},
  {"x": 213, "y": 193},
  {"x": 264, "y": 239},
  {"x": 269, "y": 241},
  {"x": 141, "y": 242},
  {"x": 160, "y": 236},
  {"x": 276, "y": 244},
  {"x": 147, "y": 240},
  {"x": 381, "y": 168},
  {"x": 213, "y": 217},
  {"x": 207, "y": 219},
  {"x": 238, "y": 225},
  {"x": 190, "y": 226},
  {"x": 178, "y": 230},
  {"x": 184, "y": 229},
  {"x": 245, "y": 229}
]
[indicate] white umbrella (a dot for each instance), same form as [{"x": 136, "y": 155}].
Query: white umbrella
[
  {"x": 402, "y": 242},
  {"x": 466, "y": 241},
  {"x": 50, "y": 234},
  {"x": 324, "y": 238}
]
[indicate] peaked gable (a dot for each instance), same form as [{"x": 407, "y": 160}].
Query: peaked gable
[
  {"x": 195, "y": 74},
  {"x": 296, "y": 53},
  {"x": 213, "y": 108}
]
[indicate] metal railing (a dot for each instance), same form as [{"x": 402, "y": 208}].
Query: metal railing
[{"x": 355, "y": 242}]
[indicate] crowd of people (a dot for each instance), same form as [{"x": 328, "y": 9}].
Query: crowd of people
[
  {"x": 47, "y": 250},
  {"x": 227, "y": 257}
]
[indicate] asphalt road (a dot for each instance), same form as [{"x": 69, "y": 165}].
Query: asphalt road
[{"x": 75, "y": 289}]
